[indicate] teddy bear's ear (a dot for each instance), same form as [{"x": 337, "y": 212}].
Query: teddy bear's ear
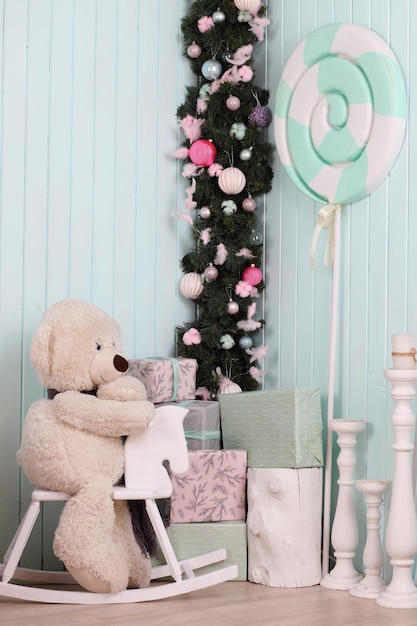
[{"x": 41, "y": 349}]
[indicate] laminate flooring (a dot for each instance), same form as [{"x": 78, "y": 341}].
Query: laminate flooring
[{"x": 228, "y": 604}]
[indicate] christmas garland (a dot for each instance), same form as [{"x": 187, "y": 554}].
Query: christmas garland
[{"x": 226, "y": 161}]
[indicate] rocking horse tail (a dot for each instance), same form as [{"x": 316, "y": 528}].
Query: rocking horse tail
[{"x": 142, "y": 527}]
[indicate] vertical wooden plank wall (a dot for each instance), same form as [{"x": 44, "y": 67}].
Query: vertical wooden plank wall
[{"x": 89, "y": 91}]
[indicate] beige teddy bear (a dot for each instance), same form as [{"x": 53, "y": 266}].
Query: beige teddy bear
[{"x": 73, "y": 442}]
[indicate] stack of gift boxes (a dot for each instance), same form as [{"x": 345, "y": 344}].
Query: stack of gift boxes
[{"x": 254, "y": 481}]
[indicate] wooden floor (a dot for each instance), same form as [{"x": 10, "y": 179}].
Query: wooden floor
[{"x": 230, "y": 603}]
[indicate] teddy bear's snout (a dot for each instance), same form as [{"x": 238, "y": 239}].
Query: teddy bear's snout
[{"x": 120, "y": 363}]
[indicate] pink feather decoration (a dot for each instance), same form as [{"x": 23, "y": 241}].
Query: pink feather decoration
[
  {"x": 245, "y": 74},
  {"x": 215, "y": 169},
  {"x": 202, "y": 104},
  {"x": 257, "y": 353},
  {"x": 256, "y": 373},
  {"x": 191, "y": 170},
  {"x": 246, "y": 253},
  {"x": 191, "y": 337},
  {"x": 258, "y": 26},
  {"x": 242, "y": 55},
  {"x": 249, "y": 324},
  {"x": 191, "y": 127},
  {"x": 205, "y": 236},
  {"x": 183, "y": 216},
  {"x": 180, "y": 153},
  {"x": 221, "y": 254},
  {"x": 203, "y": 393},
  {"x": 215, "y": 85},
  {"x": 205, "y": 23},
  {"x": 243, "y": 289},
  {"x": 189, "y": 202}
]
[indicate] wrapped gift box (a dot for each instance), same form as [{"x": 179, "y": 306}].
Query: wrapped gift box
[
  {"x": 166, "y": 379},
  {"x": 278, "y": 428},
  {"x": 212, "y": 490},
  {"x": 194, "y": 539},
  {"x": 202, "y": 424}
]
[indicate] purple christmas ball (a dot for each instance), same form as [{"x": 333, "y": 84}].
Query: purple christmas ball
[{"x": 260, "y": 115}]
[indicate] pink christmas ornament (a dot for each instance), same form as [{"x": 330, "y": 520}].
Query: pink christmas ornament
[
  {"x": 249, "y": 204},
  {"x": 252, "y": 275},
  {"x": 205, "y": 213},
  {"x": 202, "y": 152},
  {"x": 194, "y": 50},
  {"x": 233, "y": 103},
  {"x": 232, "y": 307},
  {"x": 232, "y": 180},
  {"x": 211, "y": 272}
]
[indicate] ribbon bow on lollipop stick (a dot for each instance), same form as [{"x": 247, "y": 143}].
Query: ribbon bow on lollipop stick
[{"x": 325, "y": 219}]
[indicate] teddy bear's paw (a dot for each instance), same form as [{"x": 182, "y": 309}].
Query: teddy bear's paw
[
  {"x": 140, "y": 573},
  {"x": 88, "y": 581},
  {"x": 103, "y": 570},
  {"x": 122, "y": 389}
]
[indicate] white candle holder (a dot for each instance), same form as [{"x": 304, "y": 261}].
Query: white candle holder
[
  {"x": 401, "y": 536},
  {"x": 373, "y": 583},
  {"x": 344, "y": 534}
]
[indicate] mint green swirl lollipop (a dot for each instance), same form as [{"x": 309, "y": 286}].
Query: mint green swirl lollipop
[{"x": 340, "y": 113}]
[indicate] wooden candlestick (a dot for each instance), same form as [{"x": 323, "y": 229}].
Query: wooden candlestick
[
  {"x": 373, "y": 583},
  {"x": 401, "y": 536},
  {"x": 344, "y": 534}
]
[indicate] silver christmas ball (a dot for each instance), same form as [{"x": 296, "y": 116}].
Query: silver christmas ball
[
  {"x": 245, "y": 342},
  {"x": 211, "y": 69},
  {"x": 255, "y": 238},
  {"x": 245, "y": 154},
  {"x": 218, "y": 17}
]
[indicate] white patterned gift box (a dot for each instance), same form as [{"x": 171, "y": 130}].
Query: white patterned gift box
[
  {"x": 212, "y": 490},
  {"x": 166, "y": 379}
]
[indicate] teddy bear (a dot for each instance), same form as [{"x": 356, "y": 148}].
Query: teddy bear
[{"x": 73, "y": 441}]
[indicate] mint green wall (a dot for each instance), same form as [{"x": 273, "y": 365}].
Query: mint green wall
[{"x": 89, "y": 90}]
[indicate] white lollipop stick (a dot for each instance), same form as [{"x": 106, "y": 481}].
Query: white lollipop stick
[{"x": 330, "y": 399}]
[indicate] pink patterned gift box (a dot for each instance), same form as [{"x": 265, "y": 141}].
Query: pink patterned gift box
[
  {"x": 166, "y": 379},
  {"x": 212, "y": 490}
]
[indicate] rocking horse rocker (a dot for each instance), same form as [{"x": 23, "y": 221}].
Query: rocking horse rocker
[{"x": 72, "y": 450}]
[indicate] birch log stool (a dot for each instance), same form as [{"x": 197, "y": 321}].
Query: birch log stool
[{"x": 284, "y": 526}]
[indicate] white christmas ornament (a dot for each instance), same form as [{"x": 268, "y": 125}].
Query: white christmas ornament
[
  {"x": 232, "y": 180},
  {"x": 247, "y": 5},
  {"x": 191, "y": 285},
  {"x": 229, "y": 387}
]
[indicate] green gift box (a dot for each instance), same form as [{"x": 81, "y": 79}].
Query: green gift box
[
  {"x": 193, "y": 539},
  {"x": 277, "y": 428}
]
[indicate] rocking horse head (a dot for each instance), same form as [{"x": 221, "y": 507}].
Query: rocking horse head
[{"x": 146, "y": 451}]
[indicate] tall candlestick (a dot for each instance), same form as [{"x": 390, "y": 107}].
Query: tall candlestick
[
  {"x": 401, "y": 536},
  {"x": 345, "y": 527}
]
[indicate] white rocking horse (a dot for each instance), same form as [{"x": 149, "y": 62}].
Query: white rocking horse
[{"x": 145, "y": 479}]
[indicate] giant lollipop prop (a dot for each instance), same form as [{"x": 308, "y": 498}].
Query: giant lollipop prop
[{"x": 340, "y": 118}]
